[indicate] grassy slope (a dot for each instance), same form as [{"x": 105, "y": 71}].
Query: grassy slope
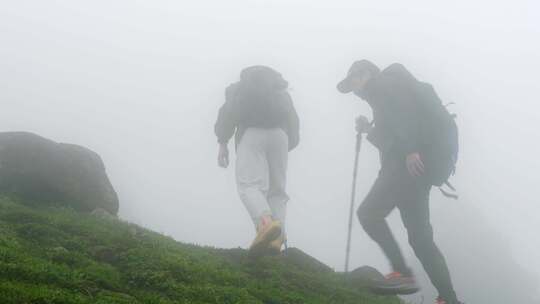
[{"x": 59, "y": 256}]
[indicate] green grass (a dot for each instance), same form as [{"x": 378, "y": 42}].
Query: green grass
[{"x": 58, "y": 256}]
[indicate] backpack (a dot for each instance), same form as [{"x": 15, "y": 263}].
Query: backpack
[
  {"x": 440, "y": 147},
  {"x": 260, "y": 98}
]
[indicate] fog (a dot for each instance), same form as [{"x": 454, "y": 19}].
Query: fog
[{"x": 140, "y": 82}]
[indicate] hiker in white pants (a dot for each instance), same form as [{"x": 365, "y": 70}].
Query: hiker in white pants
[{"x": 260, "y": 111}]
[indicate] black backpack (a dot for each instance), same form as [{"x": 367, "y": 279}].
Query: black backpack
[
  {"x": 260, "y": 98},
  {"x": 440, "y": 138}
]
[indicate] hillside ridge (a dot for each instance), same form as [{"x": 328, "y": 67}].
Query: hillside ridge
[{"x": 56, "y": 255}]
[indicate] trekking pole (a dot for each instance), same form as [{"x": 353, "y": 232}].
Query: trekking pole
[{"x": 353, "y": 198}]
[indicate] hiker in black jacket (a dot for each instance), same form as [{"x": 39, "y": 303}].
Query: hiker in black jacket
[
  {"x": 259, "y": 110},
  {"x": 399, "y": 130}
]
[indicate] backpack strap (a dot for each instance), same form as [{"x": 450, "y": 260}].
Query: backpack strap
[{"x": 448, "y": 194}]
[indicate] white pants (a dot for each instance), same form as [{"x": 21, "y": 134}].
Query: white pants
[{"x": 261, "y": 173}]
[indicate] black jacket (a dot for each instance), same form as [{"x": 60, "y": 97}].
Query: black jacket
[
  {"x": 241, "y": 111},
  {"x": 395, "y": 97}
]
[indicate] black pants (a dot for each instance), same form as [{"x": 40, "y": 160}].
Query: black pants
[{"x": 395, "y": 188}]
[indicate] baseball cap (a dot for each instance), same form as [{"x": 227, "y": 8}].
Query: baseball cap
[{"x": 358, "y": 68}]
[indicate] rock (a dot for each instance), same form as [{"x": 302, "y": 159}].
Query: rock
[
  {"x": 45, "y": 172},
  {"x": 364, "y": 276}
]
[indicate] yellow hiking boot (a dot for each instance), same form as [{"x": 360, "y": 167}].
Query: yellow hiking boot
[
  {"x": 268, "y": 233},
  {"x": 275, "y": 245}
]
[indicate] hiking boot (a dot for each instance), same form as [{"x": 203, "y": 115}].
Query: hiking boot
[
  {"x": 268, "y": 232},
  {"x": 275, "y": 246},
  {"x": 395, "y": 284},
  {"x": 440, "y": 300}
]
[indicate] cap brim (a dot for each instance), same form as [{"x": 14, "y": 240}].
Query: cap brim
[{"x": 345, "y": 86}]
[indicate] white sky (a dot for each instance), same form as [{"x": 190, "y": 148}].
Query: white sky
[{"x": 140, "y": 83}]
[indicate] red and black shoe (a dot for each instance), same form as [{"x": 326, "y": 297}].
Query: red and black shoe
[{"x": 395, "y": 284}]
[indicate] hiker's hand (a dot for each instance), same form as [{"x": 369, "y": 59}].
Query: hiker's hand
[
  {"x": 223, "y": 156},
  {"x": 362, "y": 124},
  {"x": 415, "y": 166}
]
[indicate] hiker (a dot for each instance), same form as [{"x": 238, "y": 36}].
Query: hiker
[
  {"x": 259, "y": 111},
  {"x": 417, "y": 141}
]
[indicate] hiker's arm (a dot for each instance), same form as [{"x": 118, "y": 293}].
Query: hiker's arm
[
  {"x": 398, "y": 109},
  {"x": 407, "y": 132},
  {"x": 402, "y": 115},
  {"x": 293, "y": 123},
  {"x": 226, "y": 122},
  {"x": 226, "y": 126}
]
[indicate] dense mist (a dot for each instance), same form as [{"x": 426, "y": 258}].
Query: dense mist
[{"x": 140, "y": 82}]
